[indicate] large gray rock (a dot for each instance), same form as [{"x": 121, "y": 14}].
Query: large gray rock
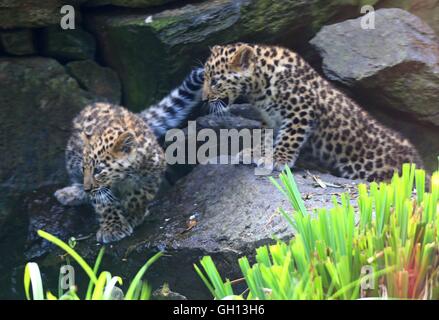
[
  {"x": 397, "y": 63},
  {"x": 164, "y": 46},
  {"x": 220, "y": 210},
  {"x": 32, "y": 13},
  {"x": 427, "y": 10}
]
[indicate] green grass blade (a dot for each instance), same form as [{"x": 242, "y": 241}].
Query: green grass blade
[
  {"x": 32, "y": 277},
  {"x": 95, "y": 271},
  {"x": 136, "y": 282},
  {"x": 70, "y": 251}
]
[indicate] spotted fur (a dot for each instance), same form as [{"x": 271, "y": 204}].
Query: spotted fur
[
  {"x": 306, "y": 111},
  {"x": 115, "y": 161}
]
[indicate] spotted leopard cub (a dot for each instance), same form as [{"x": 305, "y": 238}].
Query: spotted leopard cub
[
  {"x": 115, "y": 161},
  {"x": 306, "y": 111}
]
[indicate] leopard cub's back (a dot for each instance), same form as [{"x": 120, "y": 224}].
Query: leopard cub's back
[
  {"x": 354, "y": 144},
  {"x": 307, "y": 111}
]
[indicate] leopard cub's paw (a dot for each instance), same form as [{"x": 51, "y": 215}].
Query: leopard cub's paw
[
  {"x": 279, "y": 166},
  {"x": 281, "y": 162},
  {"x": 252, "y": 156},
  {"x": 114, "y": 231},
  {"x": 71, "y": 196}
]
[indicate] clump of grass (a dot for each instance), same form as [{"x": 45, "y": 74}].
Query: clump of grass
[
  {"x": 101, "y": 285},
  {"x": 387, "y": 248}
]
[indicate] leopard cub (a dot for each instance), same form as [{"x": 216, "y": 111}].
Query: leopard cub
[
  {"x": 115, "y": 161},
  {"x": 306, "y": 112}
]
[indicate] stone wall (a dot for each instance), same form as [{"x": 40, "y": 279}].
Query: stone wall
[{"x": 131, "y": 52}]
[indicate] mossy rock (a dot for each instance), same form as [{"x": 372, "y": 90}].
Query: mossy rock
[
  {"x": 17, "y": 42},
  {"x": 129, "y": 3},
  {"x": 67, "y": 45},
  {"x": 100, "y": 81},
  {"x": 153, "y": 52},
  {"x": 41, "y": 100},
  {"x": 32, "y": 13}
]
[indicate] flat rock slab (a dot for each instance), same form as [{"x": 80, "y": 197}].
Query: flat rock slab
[
  {"x": 397, "y": 63},
  {"x": 233, "y": 208},
  {"x": 220, "y": 210}
]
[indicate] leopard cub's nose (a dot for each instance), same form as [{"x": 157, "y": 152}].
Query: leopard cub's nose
[{"x": 204, "y": 97}]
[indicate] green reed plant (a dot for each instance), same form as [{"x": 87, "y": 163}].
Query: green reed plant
[
  {"x": 386, "y": 247},
  {"x": 101, "y": 285}
]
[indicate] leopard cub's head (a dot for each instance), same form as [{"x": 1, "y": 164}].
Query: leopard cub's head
[
  {"x": 109, "y": 157},
  {"x": 229, "y": 73}
]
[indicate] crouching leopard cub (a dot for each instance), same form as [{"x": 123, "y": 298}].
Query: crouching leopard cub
[
  {"x": 115, "y": 161},
  {"x": 305, "y": 111}
]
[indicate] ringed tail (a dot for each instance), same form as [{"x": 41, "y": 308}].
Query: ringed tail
[{"x": 174, "y": 109}]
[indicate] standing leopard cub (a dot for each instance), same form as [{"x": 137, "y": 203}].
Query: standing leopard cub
[
  {"x": 115, "y": 161},
  {"x": 306, "y": 112}
]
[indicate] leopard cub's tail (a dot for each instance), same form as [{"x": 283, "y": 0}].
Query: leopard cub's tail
[{"x": 175, "y": 108}]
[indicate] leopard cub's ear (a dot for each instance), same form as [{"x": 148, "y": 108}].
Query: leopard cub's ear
[
  {"x": 124, "y": 143},
  {"x": 243, "y": 58},
  {"x": 215, "y": 49}
]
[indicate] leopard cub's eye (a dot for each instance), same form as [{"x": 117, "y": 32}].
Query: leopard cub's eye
[
  {"x": 213, "y": 82},
  {"x": 98, "y": 169}
]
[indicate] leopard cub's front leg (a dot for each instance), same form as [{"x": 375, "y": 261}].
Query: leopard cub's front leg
[
  {"x": 113, "y": 225},
  {"x": 135, "y": 201},
  {"x": 284, "y": 151},
  {"x": 292, "y": 135},
  {"x": 73, "y": 195}
]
